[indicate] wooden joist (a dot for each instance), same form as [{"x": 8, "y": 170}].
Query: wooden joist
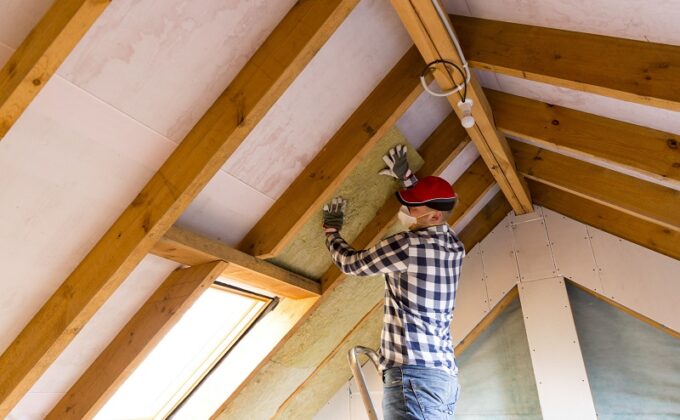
[
  {"x": 639, "y": 231},
  {"x": 445, "y": 143},
  {"x": 470, "y": 188},
  {"x": 341, "y": 154},
  {"x": 650, "y": 153},
  {"x": 634, "y": 71},
  {"x": 41, "y": 53},
  {"x": 642, "y": 199},
  {"x": 488, "y": 217},
  {"x": 264, "y": 78},
  {"x": 434, "y": 43},
  {"x": 136, "y": 340},
  {"x": 189, "y": 248}
]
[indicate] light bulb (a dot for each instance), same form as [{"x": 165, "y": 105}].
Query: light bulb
[{"x": 467, "y": 120}]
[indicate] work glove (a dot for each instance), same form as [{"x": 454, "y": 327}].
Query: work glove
[
  {"x": 397, "y": 163},
  {"x": 334, "y": 215}
]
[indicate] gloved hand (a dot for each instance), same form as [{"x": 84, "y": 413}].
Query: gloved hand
[
  {"x": 334, "y": 215},
  {"x": 397, "y": 163}
]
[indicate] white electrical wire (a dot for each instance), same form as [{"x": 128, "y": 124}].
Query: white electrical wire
[{"x": 454, "y": 39}]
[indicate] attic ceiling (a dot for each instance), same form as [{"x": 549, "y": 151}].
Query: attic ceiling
[{"x": 146, "y": 72}]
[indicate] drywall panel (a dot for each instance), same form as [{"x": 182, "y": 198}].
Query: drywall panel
[
  {"x": 337, "y": 408},
  {"x": 94, "y": 337},
  {"x": 460, "y": 164},
  {"x": 555, "y": 353},
  {"x": 533, "y": 252},
  {"x": 225, "y": 210},
  {"x": 619, "y": 18},
  {"x": 571, "y": 249},
  {"x": 18, "y": 18},
  {"x": 164, "y": 63},
  {"x": 422, "y": 117},
  {"x": 642, "y": 280},
  {"x": 500, "y": 264},
  {"x": 365, "y": 191},
  {"x": 471, "y": 299},
  {"x": 495, "y": 372},
  {"x": 641, "y": 378},
  {"x": 337, "y": 80}
]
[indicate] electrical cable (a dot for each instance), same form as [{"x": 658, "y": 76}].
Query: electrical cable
[{"x": 462, "y": 86}]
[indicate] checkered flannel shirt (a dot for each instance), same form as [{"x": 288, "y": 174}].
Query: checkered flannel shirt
[{"x": 421, "y": 271}]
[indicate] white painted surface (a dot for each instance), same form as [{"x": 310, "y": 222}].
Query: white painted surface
[
  {"x": 500, "y": 264},
  {"x": 476, "y": 208},
  {"x": 561, "y": 378},
  {"x": 421, "y": 119},
  {"x": 338, "y": 407},
  {"x": 461, "y": 163},
  {"x": 533, "y": 249},
  {"x": 93, "y": 338},
  {"x": 638, "y": 278},
  {"x": 18, "y": 18},
  {"x": 471, "y": 298},
  {"x": 653, "y": 21}
]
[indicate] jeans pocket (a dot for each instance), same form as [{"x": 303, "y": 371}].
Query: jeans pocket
[{"x": 435, "y": 398}]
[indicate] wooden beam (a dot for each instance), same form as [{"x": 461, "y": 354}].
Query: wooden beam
[
  {"x": 204, "y": 150},
  {"x": 647, "y": 320},
  {"x": 333, "y": 164},
  {"x": 488, "y": 319},
  {"x": 618, "y": 223},
  {"x": 635, "y": 71},
  {"x": 136, "y": 340},
  {"x": 645, "y": 200},
  {"x": 434, "y": 43},
  {"x": 189, "y": 248},
  {"x": 446, "y": 142},
  {"x": 470, "y": 188},
  {"x": 41, "y": 53},
  {"x": 650, "y": 153},
  {"x": 484, "y": 222}
]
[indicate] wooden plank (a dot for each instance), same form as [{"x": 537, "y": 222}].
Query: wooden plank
[
  {"x": 639, "y": 231},
  {"x": 41, "y": 53},
  {"x": 331, "y": 166},
  {"x": 446, "y": 142},
  {"x": 488, "y": 319},
  {"x": 470, "y": 188},
  {"x": 136, "y": 340},
  {"x": 634, "y": 71},
  {"x": 484, "y": 222},
  {"x": 649, "y": 153},
  {"x": 636, "y": 197},
  {"x": 649, "y": 321},
  {"x": 433, "y": 41},
  {"x": 219, "y": 132},
  {"x": 189, "y": 248}
]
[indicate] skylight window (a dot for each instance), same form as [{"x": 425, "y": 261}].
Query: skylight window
[{"x": 186, "y": 353}]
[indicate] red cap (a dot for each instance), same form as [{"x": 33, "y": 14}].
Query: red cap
[{"x": 431, "y": 191}]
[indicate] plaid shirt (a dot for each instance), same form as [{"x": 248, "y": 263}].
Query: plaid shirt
[{"x": 421, "y": 271}]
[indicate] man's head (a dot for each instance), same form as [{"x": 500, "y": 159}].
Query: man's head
[{"x": 430, "y": 202}]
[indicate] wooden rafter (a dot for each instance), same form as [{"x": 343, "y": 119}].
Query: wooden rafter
[
  {"x": 484, "y": 222},
  {"x": 41, "y": 53},
  {"x": 642, "y": 199},
  {"x": 650, "y": 153},
  {"x": 434, "y": 43},
  {"x": 282, "y": 56},
  {"x": 137, "y": 338},
  {"x": 471, "y": 187},
  {"x": 439, "y": 149},
  {"x": 631, "y": 228},
  {"x": 189, "y": 248},
  {"x": 342, "y": 153},
  {"x": 634, "y": 71}
]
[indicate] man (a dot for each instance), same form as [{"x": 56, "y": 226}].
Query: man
[{"x": 421, "y": 268}]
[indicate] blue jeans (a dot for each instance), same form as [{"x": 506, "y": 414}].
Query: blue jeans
[{"x": 414, "y": 392}]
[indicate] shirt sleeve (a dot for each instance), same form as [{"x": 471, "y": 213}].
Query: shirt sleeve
[{"x": 387, "y": 256}]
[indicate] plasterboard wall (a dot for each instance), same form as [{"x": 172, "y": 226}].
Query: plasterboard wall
[{"x": 540, "y": 246}]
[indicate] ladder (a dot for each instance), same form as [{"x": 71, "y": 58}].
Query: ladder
[{"x": 353, "y": 356}]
